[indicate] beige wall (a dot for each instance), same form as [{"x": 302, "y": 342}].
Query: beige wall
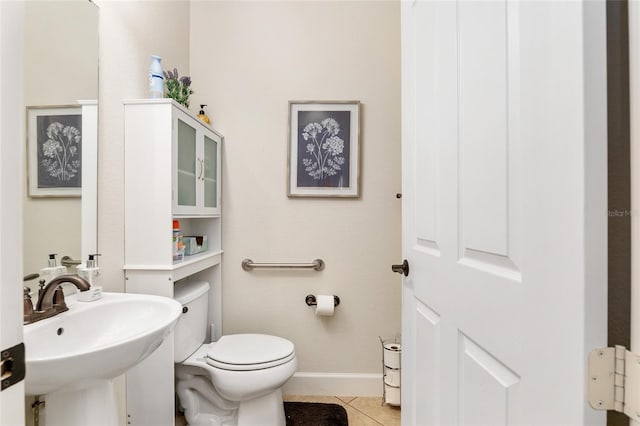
[
  {"x": 248, "y": 59},
  {"x": 60, "y": 68},
  {"x": 130, "y": 32}
]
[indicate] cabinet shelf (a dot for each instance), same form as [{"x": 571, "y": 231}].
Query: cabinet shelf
[
  {"x": 183, "y": 268},
  {"x": 195, "y": 216},
  {"x": 188, "y": 261}
]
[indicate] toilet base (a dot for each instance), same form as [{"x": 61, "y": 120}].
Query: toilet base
[
  {"x": 201, "y": 403},
  {"x": 267, "y": 410},
  {"x": 203, "y": 406}
]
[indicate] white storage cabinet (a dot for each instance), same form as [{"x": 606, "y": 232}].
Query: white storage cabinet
[{"x": 172, "y": 171}]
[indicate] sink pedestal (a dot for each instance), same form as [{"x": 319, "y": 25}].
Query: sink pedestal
[{"x": 89, "y": 403}]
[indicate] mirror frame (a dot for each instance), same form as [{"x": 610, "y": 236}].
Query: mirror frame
[{"x": 89, "y": 199}]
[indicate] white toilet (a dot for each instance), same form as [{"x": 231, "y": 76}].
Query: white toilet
[{"x": 234, "y": 381}]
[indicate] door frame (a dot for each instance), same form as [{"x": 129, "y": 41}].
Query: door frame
[
  {"x": 634, "y": 136},
  {"x": 12, "y": 186}
]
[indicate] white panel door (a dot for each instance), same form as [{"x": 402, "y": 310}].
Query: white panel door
[{"x": 504, "y": 210}]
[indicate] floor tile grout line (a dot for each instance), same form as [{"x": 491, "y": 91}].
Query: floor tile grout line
[{"x": 362, "y": 412}]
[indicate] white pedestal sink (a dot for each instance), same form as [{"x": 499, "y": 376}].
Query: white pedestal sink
[{"x": 72, "y": 358}]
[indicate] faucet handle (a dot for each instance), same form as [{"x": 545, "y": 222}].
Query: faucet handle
[
  {"x": 27, "y": 304},
  {"x": 58, "y": 299}
]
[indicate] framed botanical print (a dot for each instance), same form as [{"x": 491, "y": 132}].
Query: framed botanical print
[
  {"x": 54, "y": 151},
  {"x": 324, "y": 149}
]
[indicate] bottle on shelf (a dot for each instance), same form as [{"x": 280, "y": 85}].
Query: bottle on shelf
[
  {"x": 156, "y": 78},
  {"x": 178, "y": 243},
  {"x": 203, "y": 115}
]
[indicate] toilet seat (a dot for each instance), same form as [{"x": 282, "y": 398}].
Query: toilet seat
[
  {"x": 249, "y": 367},
  {"x": 247, "y": 352}
]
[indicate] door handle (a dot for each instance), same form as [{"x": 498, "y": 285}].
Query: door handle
[
  {"x": 401, "y": 269},
  {"x": 200, "y": 163}
]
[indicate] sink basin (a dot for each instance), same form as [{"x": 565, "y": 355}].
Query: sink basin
[{"x": 92, "y": 343}]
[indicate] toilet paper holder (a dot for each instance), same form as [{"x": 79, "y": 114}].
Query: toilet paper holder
[{"x": 310, "y": 300}]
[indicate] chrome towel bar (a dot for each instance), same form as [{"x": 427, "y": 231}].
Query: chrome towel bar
[{"x": 317, "y": 264}]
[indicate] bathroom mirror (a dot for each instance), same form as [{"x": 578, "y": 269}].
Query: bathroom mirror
[{"x": 60, "y": 69}]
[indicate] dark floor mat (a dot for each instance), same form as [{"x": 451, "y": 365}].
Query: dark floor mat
[{"x": 314, "y": 414}]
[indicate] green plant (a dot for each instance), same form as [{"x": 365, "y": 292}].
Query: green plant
[{"x": 178, "y": 88}]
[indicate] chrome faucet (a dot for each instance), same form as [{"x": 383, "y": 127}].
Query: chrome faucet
[{"x": 51, "y": 301}]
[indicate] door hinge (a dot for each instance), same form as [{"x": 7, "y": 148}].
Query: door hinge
[
  {"x": 12, "y": 365},
  {"x": 614, "y": 381}
]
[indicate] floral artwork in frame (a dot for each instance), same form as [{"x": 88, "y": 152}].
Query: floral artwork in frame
[
  {"x": 324, "y": 149},
  {"x": 54, "y": 150}
]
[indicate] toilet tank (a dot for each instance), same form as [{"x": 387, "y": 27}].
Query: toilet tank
[{"x": 191, "y": 329}]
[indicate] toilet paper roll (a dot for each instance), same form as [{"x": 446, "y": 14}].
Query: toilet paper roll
[
  {"x": 324, "y": 305},
  {"x": 392, "y": 353},
  {"x": 391, "y": 395},
  {"x": 391, "y": 376}
]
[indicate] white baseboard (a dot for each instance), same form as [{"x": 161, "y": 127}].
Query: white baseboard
[{"x": 334, "y": 384}]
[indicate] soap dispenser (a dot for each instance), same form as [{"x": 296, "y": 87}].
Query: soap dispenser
[
  {"x": 53, "y": 270},
  {"x": 90, "y": 272},
  {"x": 202, "y": 115}
]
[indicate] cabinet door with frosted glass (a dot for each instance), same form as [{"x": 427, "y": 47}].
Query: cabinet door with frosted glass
[
  {"x": 197, "y": 171},
  {"x": 186, "y": 163},
  {"x": 210, "y": 176}
]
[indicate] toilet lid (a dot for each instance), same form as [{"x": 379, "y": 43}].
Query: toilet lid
[{"x": 249, "y": 351}]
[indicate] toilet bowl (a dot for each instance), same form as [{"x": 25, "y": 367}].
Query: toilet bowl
[{"x": 234, "y": 381}]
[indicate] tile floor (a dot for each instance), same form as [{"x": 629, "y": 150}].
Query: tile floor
[{"x": 361, "y": 411}]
